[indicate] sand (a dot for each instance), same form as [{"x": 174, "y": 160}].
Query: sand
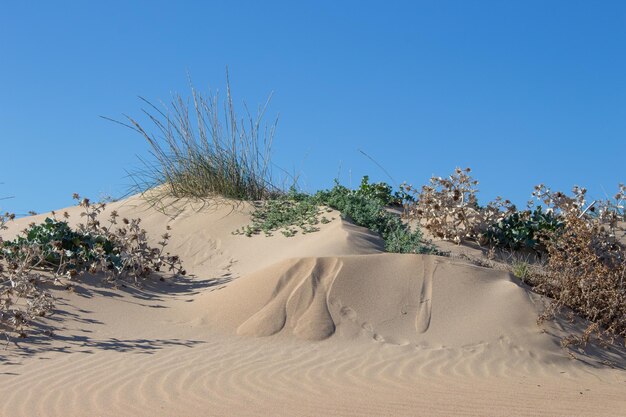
[{"x": 323, "y": 324}]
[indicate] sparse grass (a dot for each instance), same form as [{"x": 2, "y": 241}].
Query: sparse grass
[
  {"x": 201, "y": 152},
  {"x": 289, "y": 214},
  {"x": 521, "y": 270}
]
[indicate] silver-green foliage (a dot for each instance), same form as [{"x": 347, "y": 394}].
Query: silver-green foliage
[
  {"x": 297, "y": 212},
  {"x": 289, "y": 214}
]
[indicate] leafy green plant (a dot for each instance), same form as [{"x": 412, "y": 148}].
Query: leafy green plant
[
  {"x": 370, "y": 212},
  {"x": 52, "y": 253},
  {"x": 288, "y": 213},
  {"x": 381, "y": 192},
  {"x": 58, "y": 244},
  {"x": 523, "y": 229},
  {"x": 296, "y": 212}
]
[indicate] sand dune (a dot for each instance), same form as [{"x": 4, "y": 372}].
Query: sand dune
[
  {"x": 320, "y": 324},
  {"x": 392, "y": 298}
]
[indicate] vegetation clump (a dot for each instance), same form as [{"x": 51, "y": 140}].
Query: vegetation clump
[
  {"x": 287, "y": 213},
  {"x": 52, "y": 253},
  {"x": 523, "y": 230},
  {"x": 364, "y": 206},
  {"x": 368, "y": 210},
  {"x": 58, "y": 245},
  {"x": 448, "y": 208},
  {"x": 381, "y": 192},
  {"x": 586, "y": 266},
  {"x": 200, "y": 152}
]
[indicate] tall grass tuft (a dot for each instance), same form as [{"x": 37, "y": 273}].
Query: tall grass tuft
[{"x": 203, "y": 148}]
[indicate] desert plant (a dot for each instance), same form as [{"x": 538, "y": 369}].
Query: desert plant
[
  {"x": 58, "y": 244},
  {"x": 371, "y": 213},
  {"x": 288, "y": 213},
  {"x": 522, "y": 229},
  {"x": 586, "y": 272},
  {"x": 21, "y": 298},
  {"x": 199, "y": 152},
  {"x": 448, "y": 207},
  {"x": 379, "y": 191},
  {"x": 119, "y": 252},
  {"x": 586, "y": 267},
  {"x": 53, "y": 253},
  {"x": 607, "y": 212},
  {"x": 294, "y": 212}
]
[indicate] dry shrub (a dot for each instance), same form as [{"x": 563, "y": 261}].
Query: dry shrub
[
  {"x": 449, "y": 209},
  {"x": 607, "y": 212},
  {"x": 586, "y": 272},
  {"x": 21, "y": 298},
  {"x": 131, "y": 256},
  {"x": 52, "y": 254},
  {"x": 586, "y": 268}
]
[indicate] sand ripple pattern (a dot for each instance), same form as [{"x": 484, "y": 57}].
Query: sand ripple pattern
[
  {"x": 243, "y": 376},
  {"x": 367, "y": 335}
]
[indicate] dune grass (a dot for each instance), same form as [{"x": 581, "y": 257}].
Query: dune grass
[{"x": 202, "y": 148}]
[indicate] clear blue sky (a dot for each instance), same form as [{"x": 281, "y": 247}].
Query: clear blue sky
[{"x": 522, "y": 91}]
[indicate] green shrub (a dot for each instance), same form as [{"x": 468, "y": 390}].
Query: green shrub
[
  {"x": 58, "y": 243},
  {"x": 380, "y": 192},
  {"x": 118, "y": 251},
  {"x": 523, "y": 229},
  {"x": 52, "y": 253},
  {"x": 370, "y": 212},
  {"x": 365, "y": 206}
]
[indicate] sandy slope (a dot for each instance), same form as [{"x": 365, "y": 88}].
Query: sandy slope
[{"x": 322, "y": 324}]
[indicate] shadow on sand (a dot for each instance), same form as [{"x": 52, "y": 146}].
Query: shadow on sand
[{"x": 43, "y": 337}]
